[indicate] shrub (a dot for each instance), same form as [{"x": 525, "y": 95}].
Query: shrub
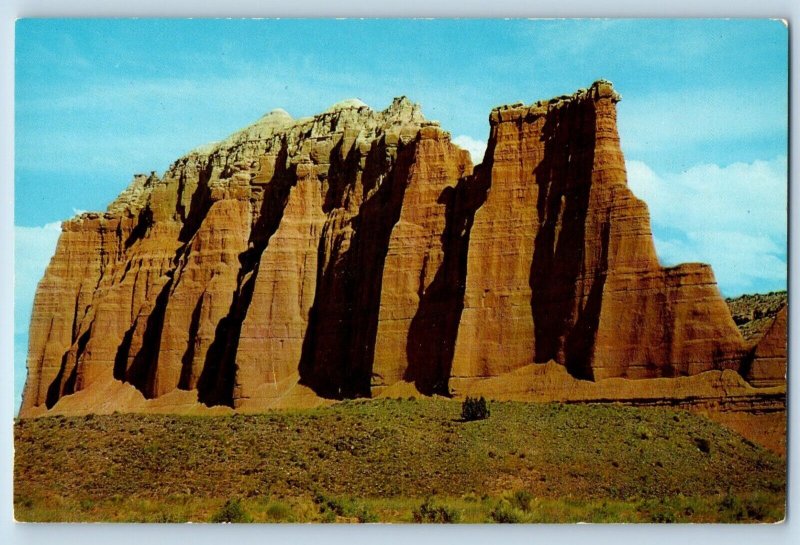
[
  {"x": 169, "y": 518},
  {"x": 732, "y": 508},
  {"x": 643, "y": 432},
  {"x": 24, "y": 501},
  {"x": 278, "y": 511},
  {"x": 522, "y": 500},
  {"x": 474, "y": 409},
  {"x": 703, "y": 444},
  {"x": 330, "y": 508},
  {"x": 756, "y": 509},
  {"x": 232, "y": 511},
  {"x": 663, "y": 516},
  {"x": 429, "y": 512},
  {"x": 506, "y": 513},
  {"x": 364, "y": 515}
]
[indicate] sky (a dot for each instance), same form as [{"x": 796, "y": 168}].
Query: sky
[{"x": 703, "y": 121}]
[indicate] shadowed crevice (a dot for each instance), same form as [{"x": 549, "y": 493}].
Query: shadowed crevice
[
  {"x": 565, "y": 316},
  {"x": 184, "y": 382},
  {"x": 123, "y": 350},
  {"x": 199, "y": 205},
  {"x": 143, "y": 224},
  {"x": 581, "y": 338},
  {"x": 339, "y": 346},
  {"x": 64, "y": 383},
  {"x": 430, "y": 345},
  {"x": 55, "y": 390},
  {"x": 141, "y": 373},
  {"x": 746, "y": 366},
  {"x": 216, "y": 381}
]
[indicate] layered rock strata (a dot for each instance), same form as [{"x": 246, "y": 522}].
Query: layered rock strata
[
  {"x": 339, "y": 255},
  {"x": 562, "y": 264}
]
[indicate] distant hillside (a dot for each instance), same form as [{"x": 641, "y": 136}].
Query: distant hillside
[{"x": 754, "y": 313}]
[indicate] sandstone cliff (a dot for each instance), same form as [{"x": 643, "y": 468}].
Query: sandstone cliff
[
  {"x": 339, "y": 255},
  {"x": 767, "y": 364},
  {"x": 561, "y": 259}
]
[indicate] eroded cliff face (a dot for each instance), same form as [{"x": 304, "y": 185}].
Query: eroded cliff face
[
  {"x": 339, "y": 255},
  {"x": 562, "y": 264}
]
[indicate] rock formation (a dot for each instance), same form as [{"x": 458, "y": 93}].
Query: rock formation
[
  {"x": 754, "y": 314},
  {"x": 561, "y": 259},
  {"x": 339, "y": 255},
  {"x": 768, "y": 365}
]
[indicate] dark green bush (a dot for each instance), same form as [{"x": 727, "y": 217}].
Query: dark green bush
[
  {"x": 506, "y": 513},
  {"x": 232, "y": 511},
  {"x": 663, "y": 517},
  {"x": 474, "y": 409},
  {"x": 330, "y": 508},
  {"x": 429, "y": 512},
  {"x": 703, "y": 444},
  {"x": 522, "y": 500}
]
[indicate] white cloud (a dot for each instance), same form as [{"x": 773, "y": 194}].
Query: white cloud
[
  {"x": 476, "y": 148},
  {"x": 733, "y": 217},
  {"x": 34, "y": 246}
]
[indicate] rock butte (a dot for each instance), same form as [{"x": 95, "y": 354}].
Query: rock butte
[{"x": 358, "y": 253}]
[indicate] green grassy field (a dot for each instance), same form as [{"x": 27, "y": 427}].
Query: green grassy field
[{"x": 396, "y": 461}]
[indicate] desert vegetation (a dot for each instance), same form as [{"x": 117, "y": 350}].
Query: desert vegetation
[
  {"x": 753, "y": 313},
  {"x": 396, "y": 460},
  {"x": 474, "y": 409}
]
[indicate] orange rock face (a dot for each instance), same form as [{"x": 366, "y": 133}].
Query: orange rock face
[
  {"x": 420, "y": 298},
  {"x": 768, "y": 367},
  {"x": 561, "y": 260},
  {"x": 339, "y": 255}
]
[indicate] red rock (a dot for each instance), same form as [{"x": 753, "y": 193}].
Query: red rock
[
  {"x": 355, "y": 252},
  {"x": 562, "y": 264},
  {"x": 200, "y": 295},
  {"x": 419, "y": 300},
  {"x": 271, "y": 339},
  {"x": 768, "y": 367}
]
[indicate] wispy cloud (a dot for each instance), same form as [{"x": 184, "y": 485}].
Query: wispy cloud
[
  {"x": 733, "y": 217},
  {"x": 476, "y": 148},
  {"x": 34, "y": 246}
]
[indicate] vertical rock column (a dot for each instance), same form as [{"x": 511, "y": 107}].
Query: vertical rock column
[
  {"x": 562, "y": 264},
  {"x": 271, "y": 338},
  {"x": 496, "y": 332},
  {"x": 200, "y": 296},
  {"x": 62, "y": 298},
  {"x": 419, "y": 304}
]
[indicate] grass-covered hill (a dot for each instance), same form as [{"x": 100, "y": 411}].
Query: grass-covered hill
[{"x": 380, "y": 460}]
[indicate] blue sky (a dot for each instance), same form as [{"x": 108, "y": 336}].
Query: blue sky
[{"x": 703, "y": 120}]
